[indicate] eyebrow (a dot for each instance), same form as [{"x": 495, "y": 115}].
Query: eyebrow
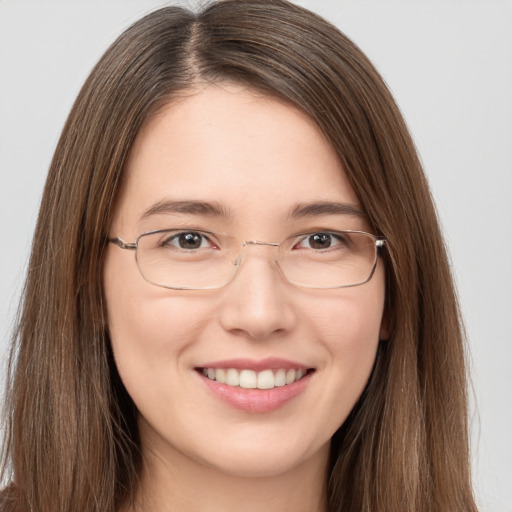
[
  {"x": 326, "y": 208},
  {"x": 209, "y": 209},
  {"x": 215, "y": 209}
]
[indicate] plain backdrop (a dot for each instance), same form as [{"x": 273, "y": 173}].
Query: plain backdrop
[{"x": 449, "y": 65}]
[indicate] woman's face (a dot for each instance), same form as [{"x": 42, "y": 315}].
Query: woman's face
[{"x": 227, "y": 160}]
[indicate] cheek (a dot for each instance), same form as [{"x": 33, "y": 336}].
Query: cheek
[
  {"x": 348, "y": 326},
  {"x": 149, "y": 327},
  {"x": 352, "y": 341},
  {"x": 148, "y": 330},
  {"x": 349, "y": 322}
]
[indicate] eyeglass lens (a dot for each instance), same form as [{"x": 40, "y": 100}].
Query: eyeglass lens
[{"x": 199, "y": 260}]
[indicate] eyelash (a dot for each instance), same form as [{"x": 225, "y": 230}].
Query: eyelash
[
  {"x": 332, "y": 236},
  {"x": 176, "y": 236},
  {"x": 193, "y": 235}
]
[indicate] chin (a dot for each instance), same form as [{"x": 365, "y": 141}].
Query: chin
[{"x": 259, "y": 459}]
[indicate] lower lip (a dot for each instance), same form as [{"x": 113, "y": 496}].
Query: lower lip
[{"x": 257, "y": 400}]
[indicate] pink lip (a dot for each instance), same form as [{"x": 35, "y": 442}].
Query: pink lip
[
  {"x": 269, "y": 363},
  {"x": 255, "y": 400}
]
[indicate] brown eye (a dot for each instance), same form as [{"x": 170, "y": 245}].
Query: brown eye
[
  {"x": 190, "y": 240},
  {"x": 320, "y": 240},
  {"x": 187, "y": 240}
]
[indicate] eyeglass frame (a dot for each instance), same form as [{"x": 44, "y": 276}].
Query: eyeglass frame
[{"x": 379, "y": 241}]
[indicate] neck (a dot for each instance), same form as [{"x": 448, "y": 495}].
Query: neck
[{"x": 173, "y": 482}]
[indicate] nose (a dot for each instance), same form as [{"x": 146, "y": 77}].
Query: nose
[{"x": 259, "y": 301}]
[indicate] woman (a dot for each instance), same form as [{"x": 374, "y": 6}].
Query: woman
[{"x": 238, "y": 294}]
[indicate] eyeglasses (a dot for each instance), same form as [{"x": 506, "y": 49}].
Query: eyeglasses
[{"x": 184, "y": 259}]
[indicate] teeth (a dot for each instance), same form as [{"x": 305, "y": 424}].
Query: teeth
[
  {"x": 290, "y": 376},
  {"x": 249, "y": 379},
  {"x": 280, "y": 378},
  {"x": 232, "y": 377},
  {"x": 266, "y": 379},
  {"x": 220, "y": 375}
]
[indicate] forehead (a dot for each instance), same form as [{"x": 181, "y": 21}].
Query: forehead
[{"x": 254, "y": 155}]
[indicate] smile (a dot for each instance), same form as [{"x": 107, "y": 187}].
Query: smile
[
  {"x": 250, "y": 379},
  {"x": 256, "y": 386}
]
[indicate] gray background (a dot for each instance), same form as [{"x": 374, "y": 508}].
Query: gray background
[{"x": 449, "y": 64}]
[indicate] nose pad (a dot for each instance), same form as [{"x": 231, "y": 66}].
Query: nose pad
[
  {"x": 257, "y": 302},
  {"x": 238, "y": 260}
]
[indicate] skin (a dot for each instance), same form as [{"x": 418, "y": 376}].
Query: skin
[{"x": 257, "y": 157}]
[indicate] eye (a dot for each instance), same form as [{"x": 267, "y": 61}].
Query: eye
[
  {"x": 319, "y": 241},
  {"x": 188, "y": 240}
]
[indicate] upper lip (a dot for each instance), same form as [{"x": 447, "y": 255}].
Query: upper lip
[{"x": 268, "y": 363}]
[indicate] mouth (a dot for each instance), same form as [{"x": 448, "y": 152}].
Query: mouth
[
  {"x": 256, "y": 386},
  {"x": 265, "y": 379}
]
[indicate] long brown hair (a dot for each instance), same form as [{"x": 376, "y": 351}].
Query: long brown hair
[{"x": 71, "y": 439}]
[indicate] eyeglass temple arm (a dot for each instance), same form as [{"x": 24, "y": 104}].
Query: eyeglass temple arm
[{"x": 122, "y": 244}]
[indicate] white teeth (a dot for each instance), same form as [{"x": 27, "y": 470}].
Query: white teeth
[
  {"x": 266, "y": 379},
  {"x": 249, "y": 379},
  {"x": 290, "y": 376},
  {"x": 280, "y": 378},
  {"x": 220, "y": 375},
  {"x": 232, "y": 377}
]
